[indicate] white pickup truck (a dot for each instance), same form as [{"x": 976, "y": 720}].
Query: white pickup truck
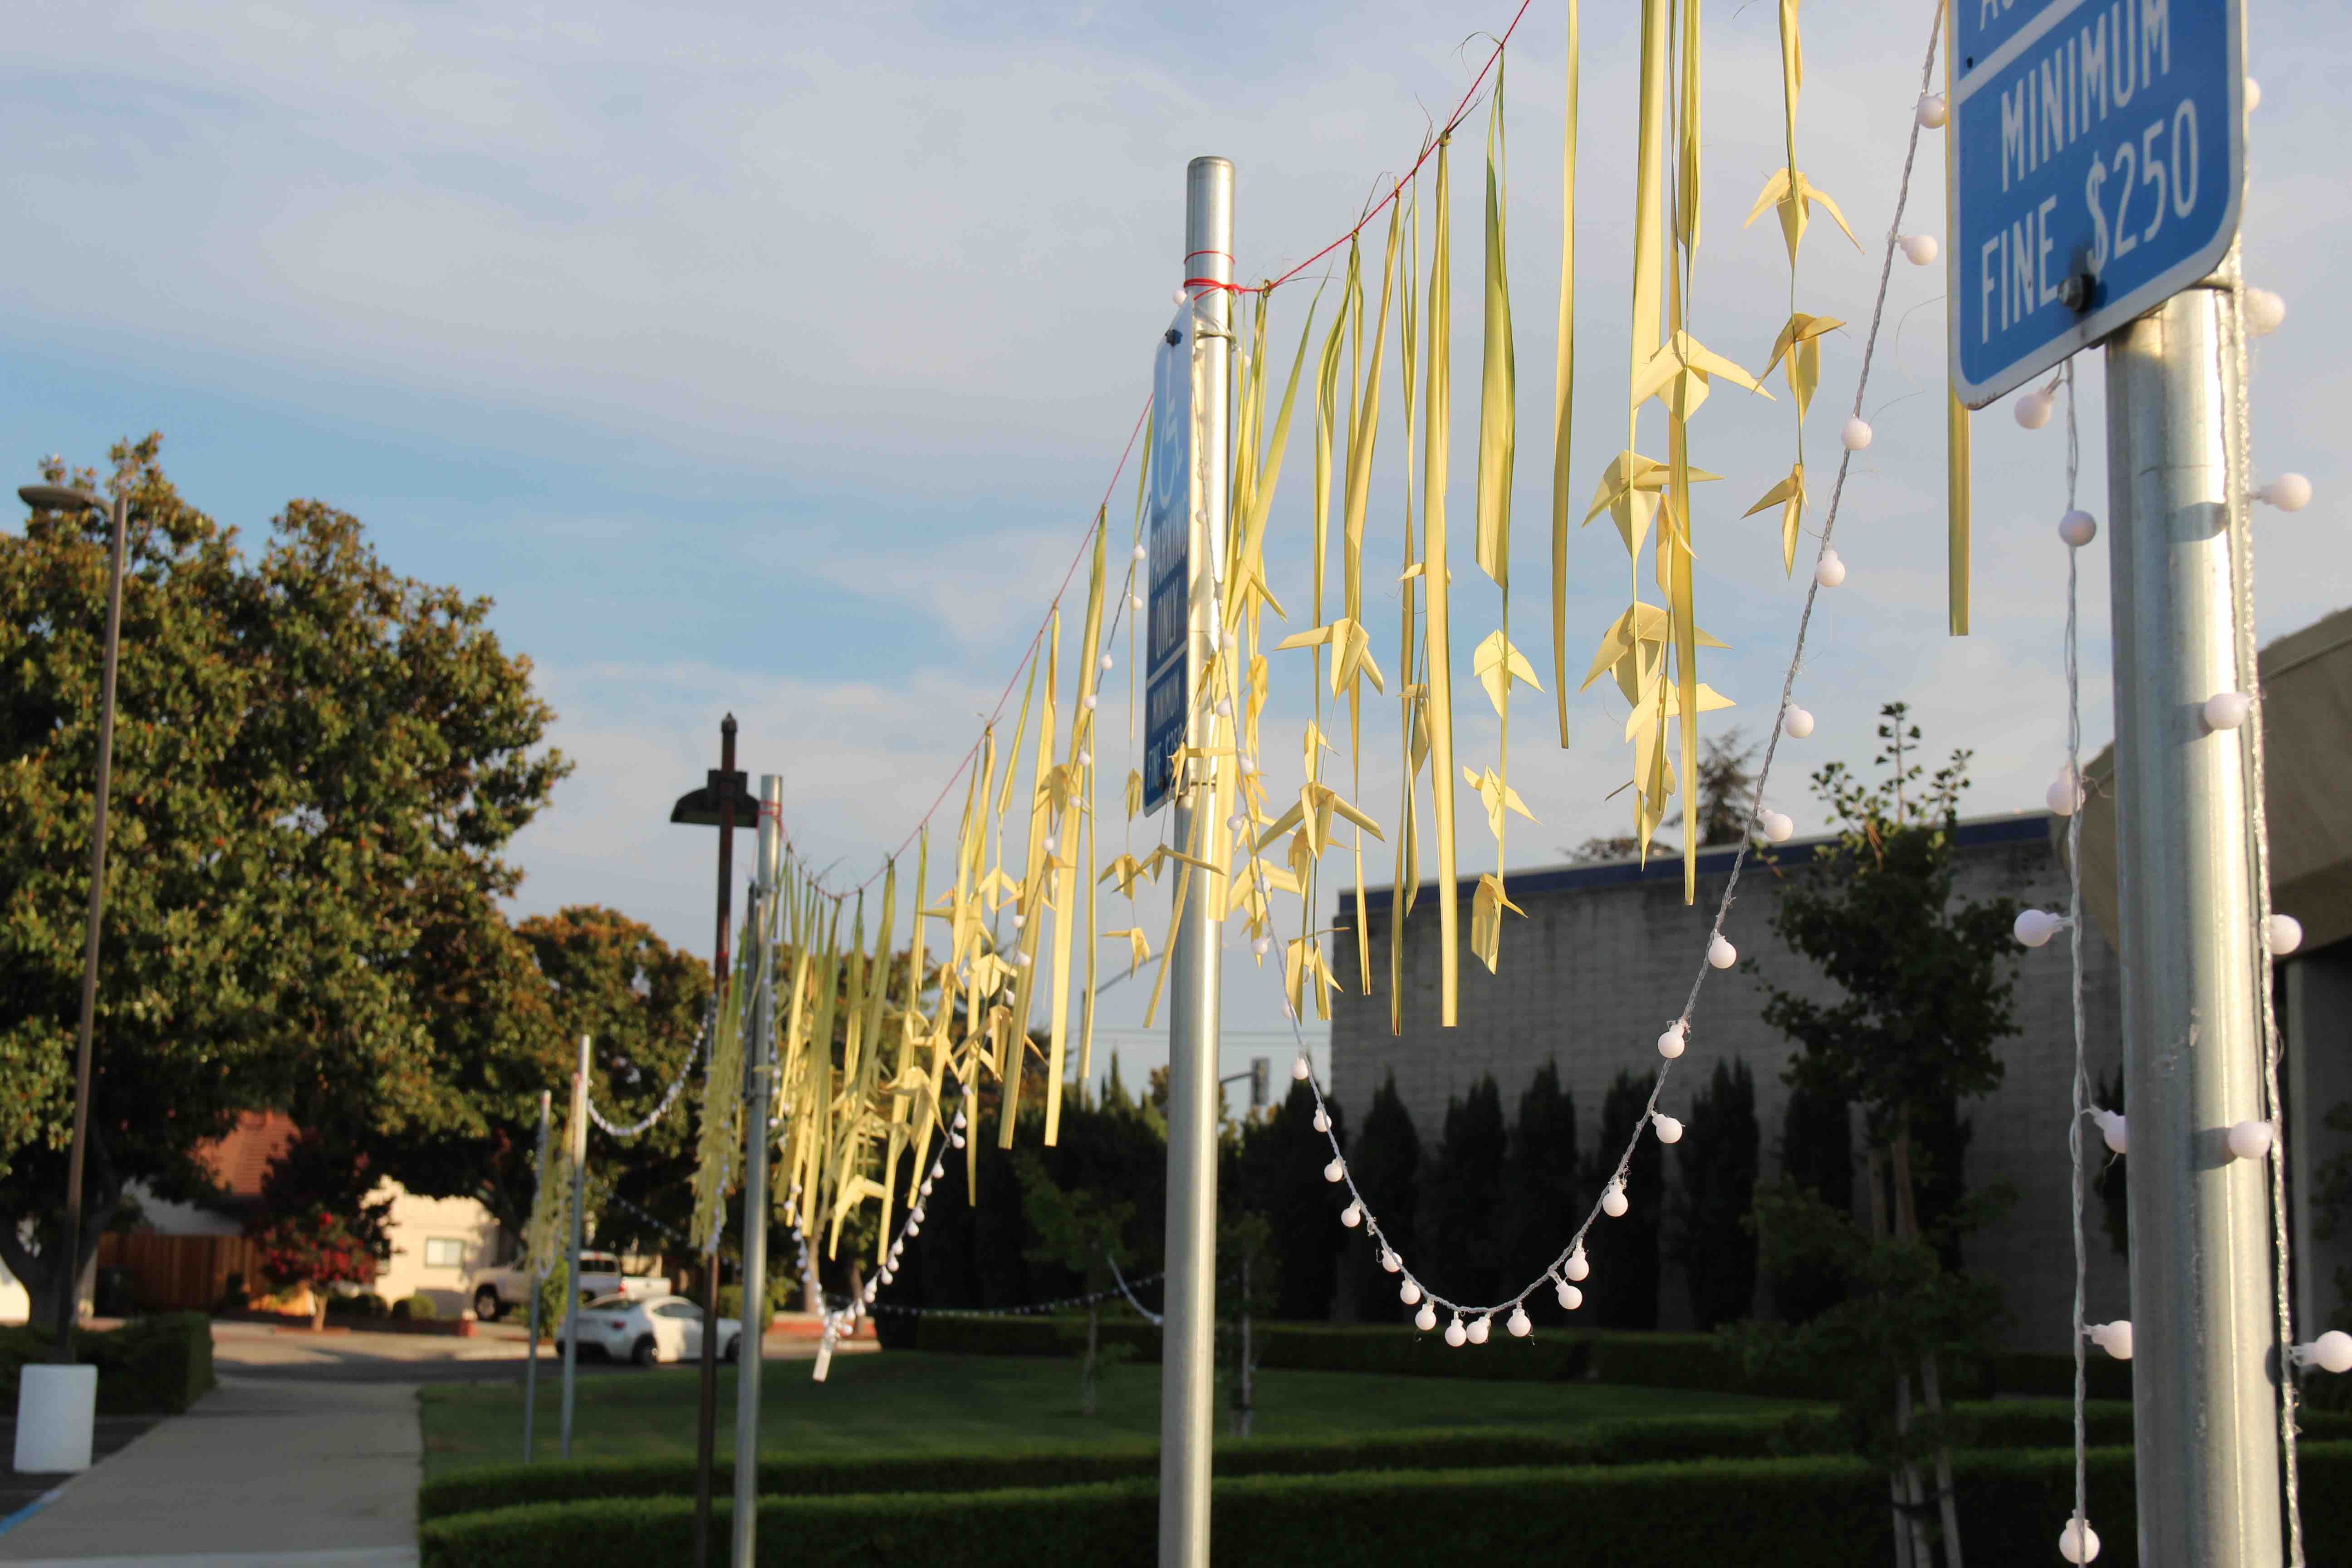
[{"x": 497, "y": 1292}]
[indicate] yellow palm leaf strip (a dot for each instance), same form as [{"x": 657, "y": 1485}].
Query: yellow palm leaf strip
[
  {"x": 1649, "y": 280},
  {"x": 853, "y": 1022},
  {"x": 1247, "y": 586},
  {"x": 902, "y": 1067},
  {"x": 1329, "y": 431},
  {"x": 821, "y": 1060},
  {"x": 1686, "y": 196},
  {"x": 1094, "y": 942},
  {"x": 1031, "y": 905},
  {"x": 878, "y": 983},
  {"x": 1400, "y": 892},
  {"x": 1436, "y": 426},
  {"x": 1498, "y": 440},
  {"x": 793, "y": 1055},
  {"x": 1958, "y": 504},
  {"x": 1363, "y": 440},
  {"x": 1563, "y": 386},
  {"x": 1072, "y": 819}
]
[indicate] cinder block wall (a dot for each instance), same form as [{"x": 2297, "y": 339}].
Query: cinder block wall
[{"x": 1603, "y": 962}]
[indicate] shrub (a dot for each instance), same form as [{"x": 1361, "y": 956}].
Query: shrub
[
  {"x": 360, "y": 1304},
  {"x": 415, "y": 1308},
  {"x": 155, "y": 1365},
  {"x": 318, "y": 1248},
  {"x": 1788, "y": 1513}
]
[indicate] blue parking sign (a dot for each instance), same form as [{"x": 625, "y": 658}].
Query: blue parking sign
[
  {"x": 1168, "y": 535},
  {"x": 2098, "y": 158}
]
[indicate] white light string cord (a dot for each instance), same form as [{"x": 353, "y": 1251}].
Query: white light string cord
[
  {"x": 669, "y": 1095},
  {"x": 1569, "y": 1265},
  {"x": 1124, "y": 1290}
]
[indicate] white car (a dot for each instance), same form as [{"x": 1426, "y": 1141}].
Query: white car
[
  {"x": 497, "y": 1292},
  {"x": 666, "y": 1328}
]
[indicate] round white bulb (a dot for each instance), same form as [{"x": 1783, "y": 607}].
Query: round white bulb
[
  {"x": 1135, "y": 601},
  {"x": 1721, "y": 954},
  {"x": 1334, "y": 1170},
  {"x": 1613, "y": 1201},
  {"x": 2078, "y": 528},
  {"x": 1390, "y": 1260},
  {"x": 1797, "y": 724},
  {"x": 1779, "y": 826},
  {"x": 2250, "y": 1139},
  {"x": 2114, "y": 1130},
  {"x": 1236, "y": 822},
  {"x": 2227, "y": 710},
  {"x": 1143, "y": 552},
  {"x": 1856, "y": 435},
  {"x": 1455, "y": 1334},
  {"x": 1669, "y": 1129},
  {"x": 2288, "y": 492},
  {"x": 955, "y": 1140},
  {"x": 2265, "y": 311},
  {"x": 2286, "y": 934},
  {"x": 1577, "y": 1266},
  {"x": 1919, "y": 247},
  {"x": 1086, "y": 759},
  {"x": 1322, "y": 1120},
  {"x": 1180, "y": 295},
  {"x": 1480, "y": 1326},
  {"x": 1261, "y": 945},
  {"x": 2034, "y": 927},
  {"x": 1517, "y": 1323},
  {"x": 938, "y": 1168},
  {"x": 2254, "y": 95},
  {"x": 1091, "y": 700},
  {"x": 2032, "y": 410},
  {"x": 1106, "y": 661},
  {"x": 1570, "y": 1297},
  {"x": 1675, "y": 1039},
  {"x": 1249, "y": 764},
  {"x": 2078, "y": 1542},
  {"x": 2331, "y": 1351},
  {"x": 1300, "y": 1068},
  {"x": 1933, "y": 111},
  {"x": 1831, "y": 572},
  {"x": 2066, "y": 794},
  {"x": 2114, "y": 1338},
  {"x": 1352, "y": 1216},
  {"x": 926, "y": 1188},
  {"x": 1408, "y": 1292},
  {"x": 1426, "y": 1319},
  {"x": 1224, "y": 708},
  {"x": 913, "y": 1228}
]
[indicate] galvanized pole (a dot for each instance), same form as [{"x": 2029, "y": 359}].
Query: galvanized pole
[
  {"x": 706, "y": 1413},
  {"x": 579, "y": 1227},
  {"x": 536, "y": 1269},
  {"x": 1187, "y": 1393},
  {"x": 69, "y": 1256},
  {"x": 2202, "y": 1385},
  {"x": 758, "y": 1071}
]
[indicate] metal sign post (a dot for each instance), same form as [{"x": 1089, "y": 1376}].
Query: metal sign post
[
  {"x": 1193, "y": 479},
  {"x": 759, "y": 1069},
  {"x": 2203, "y": 1389},
  {"x": 579, "y": 1139},
  {"x": 2097, "y": 161}
]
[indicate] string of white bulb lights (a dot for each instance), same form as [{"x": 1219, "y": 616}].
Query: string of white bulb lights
[
  {"x": 1471, "y": 1323},
  {"x": 2252, "y": 312},
  {"x": 669, "y": 1095}
]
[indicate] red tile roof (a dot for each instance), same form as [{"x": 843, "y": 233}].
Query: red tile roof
[{"x": 238, "y": 1162}]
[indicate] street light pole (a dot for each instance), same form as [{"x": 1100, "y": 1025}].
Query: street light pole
[
  {"x": 54, "y": 498},
  {"x": 724, "y": 803}
]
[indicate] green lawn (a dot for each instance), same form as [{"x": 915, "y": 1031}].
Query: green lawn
[{"x": 906, "y": 1400}]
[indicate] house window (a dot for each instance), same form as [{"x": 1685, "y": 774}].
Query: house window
[{"x": 444, "y": 1252}]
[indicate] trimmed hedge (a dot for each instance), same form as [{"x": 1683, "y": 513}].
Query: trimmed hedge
[
  {"x": 2005, "y": 1425},
  {"x": 156, "y": 1366},
  {"x": 1761, "y": 1514}
]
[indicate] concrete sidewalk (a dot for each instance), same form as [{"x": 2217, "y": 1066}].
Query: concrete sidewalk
[{"x": 260, "y": 1472}]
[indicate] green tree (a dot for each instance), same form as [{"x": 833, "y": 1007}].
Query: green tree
[
  {"x": 1276, "y": 1169},
  {"x": 318, "y": 767},
  {"x": 1080, "y": 1231},
  {"x": 1816, "y": 1158},
  {"x": 1926, "y": 983},
  {"x": 1544, "y": 1181},
  {"x": 1385, "y": 1160},
  {"x": 1623, "y": 1290},
  {"x": 1462, "y": 1255},
  {"x": 1716, "y": 1160}
]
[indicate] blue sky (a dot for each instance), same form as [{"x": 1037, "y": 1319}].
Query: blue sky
[{"x": 774, "y": 358}]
